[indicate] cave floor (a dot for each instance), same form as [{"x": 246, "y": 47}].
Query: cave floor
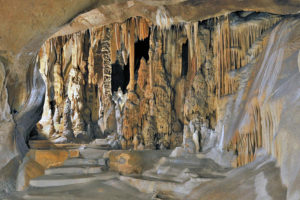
[
  {"x": 99, "y": 173},
  {"x": 94, "y": 189}
]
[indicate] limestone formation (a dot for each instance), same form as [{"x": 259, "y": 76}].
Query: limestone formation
[
  {"x": 211, "y": 79},
  {"x": 170, "y": 86}
]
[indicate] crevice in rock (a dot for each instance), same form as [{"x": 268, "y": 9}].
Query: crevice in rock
[
  {"x": 185, "y": 58},
  {"x": 141, "y": 50},
  {"x": 120, "y": 76}
]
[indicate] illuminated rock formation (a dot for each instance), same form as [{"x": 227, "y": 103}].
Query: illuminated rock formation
[
  {"x": 168, "y": 85},
  {"x": 216, "y": 77}
]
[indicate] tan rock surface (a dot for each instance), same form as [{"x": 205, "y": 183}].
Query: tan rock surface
[
  {"x": 221, "y": 50},
  {"x": 52, "y": 158},
  {"x": 134, "y": 162}
]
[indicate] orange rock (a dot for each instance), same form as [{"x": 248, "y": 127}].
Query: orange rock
[
  {"x": 74, "y": 153},
  {"x": 126, "y": 162},
  {"x": 28, "y": 170},
  {"x": 134, "y": 162},
  {"x": 52, "y": 158}
]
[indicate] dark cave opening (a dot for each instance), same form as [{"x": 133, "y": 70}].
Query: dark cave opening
[
  {"x": 141, "y": 50},
  {"x": 120, "y": 72},
  {"x": 52, "y": 106},
  {"x": 185, "y": 58},
  {"x": 120, "y": 76}
]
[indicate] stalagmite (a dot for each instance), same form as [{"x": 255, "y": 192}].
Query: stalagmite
[
  {"x": 174, "y": 84},
  {"x": 135, "y": 142},
  {"x": 153, "y": 99},
  {"x": 196, "y": 140},
  {"x": 67, "y": 131},
  {"x": 131, "y": 54},
  {"x": 46, "y": 121},
  {"x": 106, "y": 51}
]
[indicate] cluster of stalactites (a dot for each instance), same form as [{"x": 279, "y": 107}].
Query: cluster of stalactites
[
  {"x": 236, "y": 45},
  {"x": 78, "y": 68},
  {"x": 181, "y": 81},
  {"x": 258, "y": 132},
  {"x": 123, "y": 39},
  {"x": 244, "y": 38},
  {"x": 259, "y": 124}
]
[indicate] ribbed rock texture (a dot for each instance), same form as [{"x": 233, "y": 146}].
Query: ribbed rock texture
[
  {"x": 168, "y": 85},
  {"x": 218, "y": 82}
]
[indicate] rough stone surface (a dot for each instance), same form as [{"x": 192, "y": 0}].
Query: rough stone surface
[
  {"x": 52, "y": 158},
  {"x": 231, "y": 76},
  {"x": 28, "y": 170},
  {"x": 134, "y": 162}
]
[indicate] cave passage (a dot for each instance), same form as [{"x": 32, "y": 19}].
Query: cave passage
[
  {"x": 120, "y": 73},
  {"x": 184, "y": 102},
  {"x": 141, "y": 49},
  {"x": 119, "y": 76},
  {"x": 185, "y": 58}
]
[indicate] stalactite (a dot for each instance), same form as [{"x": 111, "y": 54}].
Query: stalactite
[
  {"x": 236, "y": 42},
  {"x": 162, "y": 95},
  {"x": 117, "y": 36},
  {"x": 143, "y": 28},
  {"x": 113, "y": 44},
  {"x": 107, "y": 70},
  {"x": 244, "y": 37},
  {"x": 131, "y": 54},
  {"x": 58, "y": 84},
  {"x": 222, "y": 51},
  {"x": 124, "y": 28},
  {"x": 258, "y": 132},
  {"x": 67, "y": 124},
  {"x": 92, "y": 77},
  {"x": 248, "y": 138},
  {"x": 261, "y": 119}
]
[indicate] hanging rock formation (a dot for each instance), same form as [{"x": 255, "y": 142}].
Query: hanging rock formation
[
  {"x": 168, "y": 85},
  {"x": 221, "y": 74}
]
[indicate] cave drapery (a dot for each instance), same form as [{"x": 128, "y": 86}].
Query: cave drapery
[{"x": 227, "y": 72}]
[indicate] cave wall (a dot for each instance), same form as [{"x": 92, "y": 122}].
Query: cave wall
[
  {"x": 181, "y": 87},
  {"x": 234, "y": 80},
  {"x": 267, "y": 114},
  {"x": 26, "y": 25}
]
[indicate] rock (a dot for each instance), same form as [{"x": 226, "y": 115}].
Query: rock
[
  {"x": 196, "y": 141},
  {"x": 85, "y": 162},
  {"x": 28, "y": 170},
  {"x": 67, "y": 132},
  {"x": 205, "y": 65},
  {"x": 73, "y": 170},
  {"x": 190, "y": 146},
  {"x": 152, "y": 185},
  {"x": 178, "y": 151},
  {"x": 126, "y": 162},
  {"x": 91, "y": 153},
  {"x": 60, "y": 180},
  {"x": 61, "y": 140},
  {"x": 52, "y": 158},
  {"x": 133, "y": 162},
  {"x": 100, "y": 142},
  {"x": 265, "y": 172},
  {"x": 140, "y": 147},
  {"x": 135, "y": 142},
  {"x": 123, "y": 143}
]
